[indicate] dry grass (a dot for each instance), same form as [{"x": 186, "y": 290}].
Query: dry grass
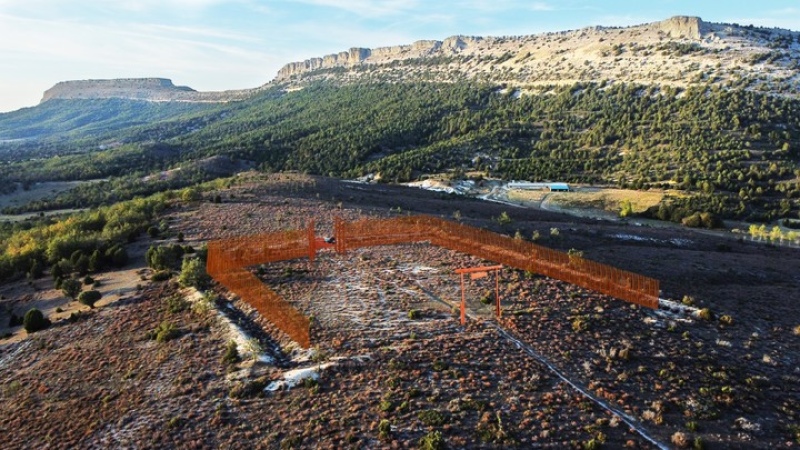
[
  {"x": 519, "y": 195},
  {"x": 37, "y": 192},
  {"x": 607, "y": 199}
]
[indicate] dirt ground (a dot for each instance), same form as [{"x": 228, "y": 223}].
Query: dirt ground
[
  {"x": 727, "y": 382},
  {"x": 20, "y": 296}
]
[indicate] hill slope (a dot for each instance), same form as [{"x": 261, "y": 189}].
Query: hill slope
[
  {"x": 730, "y": 146},
  {"x": 678, "y": 52}
]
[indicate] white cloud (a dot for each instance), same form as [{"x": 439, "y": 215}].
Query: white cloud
[
  {"x": 506, "y": 5},
  {"x": 368, "y": 8},
  {"x": 541, "y": 6}
]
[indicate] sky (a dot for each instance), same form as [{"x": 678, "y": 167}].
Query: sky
[{"x": 213, "y": 45}]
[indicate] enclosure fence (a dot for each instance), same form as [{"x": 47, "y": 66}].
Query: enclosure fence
[{"x": 228, "y": 259}]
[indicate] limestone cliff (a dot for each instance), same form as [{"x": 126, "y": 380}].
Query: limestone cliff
[{"x": 679, "y": 52}]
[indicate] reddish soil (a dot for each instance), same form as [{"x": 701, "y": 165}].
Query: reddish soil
[{"x": 102, "y": 382}]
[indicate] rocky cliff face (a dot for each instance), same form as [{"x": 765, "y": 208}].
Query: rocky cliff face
[
  {"x": 356, "y": 56},
  {"x": 682, "y": 27},
  {"x": 678, "y": 52},
  {"x": 150, "y": 89}
]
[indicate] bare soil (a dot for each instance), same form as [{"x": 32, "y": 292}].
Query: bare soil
[{"x": 101, "y": 381}]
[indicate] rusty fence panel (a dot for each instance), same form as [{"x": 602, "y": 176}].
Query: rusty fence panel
[
  {"x": 491, "y": 246},
  {"x": 227, "y": 259}
]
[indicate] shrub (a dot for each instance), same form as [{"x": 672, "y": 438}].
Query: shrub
[
  {"x": 592, "y": 444},
  {"x": 153, "y": 232},
  {"x": 580, "y": 324},
  {"x": 431, "y": 417},
  {"x": 36, "y": 270},
  {"x": 34, "y": 321},
  {"x": 87, "y": 280},
  {"x": 117, "y": 255},
  {"x": 386, "y": 405},
  {"x": 248, "y": 389},
  {"x": 432, "y": 441},
  {"x": 14, "y": 321},
  {"x": 705, "y": 314},
  {"x": 490, "y": 429},
  {"x": 161, "y": 275},
  {"x": 166, "y": 331},
  {"x": 414, "y": 314},
  {"x": 162, "y": 258},
  {"x": 439, "y": 365},
  {"x": 71, "y": 288},
  {"x": 176, "y": 303},
  {"x": 504, "y": 218},
  {"x": 193, "y": 273},
  {"x": 191, "y": 194},
  {"x": 89, "y": 298},
  {"x": 180, "y": 236},
  {"x": 698, "y": 443},
  {"x": 726, "y": 320},
  {"x": 231, "y": 355},
  {"x": 384, "y": 430}
]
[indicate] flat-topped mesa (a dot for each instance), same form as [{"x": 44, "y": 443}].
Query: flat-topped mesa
[{"x": 147, "y": 89}]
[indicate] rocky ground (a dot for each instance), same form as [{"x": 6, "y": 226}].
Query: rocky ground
[{"x": 393, "y": 364}]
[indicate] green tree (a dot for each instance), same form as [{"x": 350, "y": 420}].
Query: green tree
[
  {"x": 89, "y": 298},
  {"x": 117, "y": 255},
  {"x": 627, "y": 209},
  {"x": 191, "y": 194},
  {"x": 162, "y": 258},
  {"x": 36, "y": 270},
  {"x": 71, "y": 287},
  {"x": 193, "y": 273},
  {"x": 34, "y": 321},
  {"x": 95, "y": 261}
]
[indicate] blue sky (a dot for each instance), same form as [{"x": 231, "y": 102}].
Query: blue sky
[{"x": 233, "y": 44}]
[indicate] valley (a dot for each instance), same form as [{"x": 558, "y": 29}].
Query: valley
[{"x": 669, "y": 149}]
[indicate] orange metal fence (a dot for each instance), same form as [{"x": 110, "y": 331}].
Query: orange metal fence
[
  {"x": 228, "y": 258},
  {"x": 491, "y": 246}
]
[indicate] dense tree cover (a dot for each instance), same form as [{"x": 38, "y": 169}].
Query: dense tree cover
[
  {"x": 90, "y": 117},
  {"x": 115, "y": 189},
  {"x": 80, "y": 243},
  {"x": 734, "y": 153}
]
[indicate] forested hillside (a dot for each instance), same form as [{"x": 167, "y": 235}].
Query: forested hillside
[
  {"x": 64, "y": 119},
  {"x": 734, "y": 153}
]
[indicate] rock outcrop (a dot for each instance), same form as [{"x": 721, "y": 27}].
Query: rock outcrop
[
  {"x": 682, "y": 27},
  {"x": 356, "y": 56}
]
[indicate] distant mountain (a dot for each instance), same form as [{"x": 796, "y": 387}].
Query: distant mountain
[
  {"x": 709, "y": 110},
  {"x": 151, "y": 89},
  {"x": 679, "y": 52}
]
